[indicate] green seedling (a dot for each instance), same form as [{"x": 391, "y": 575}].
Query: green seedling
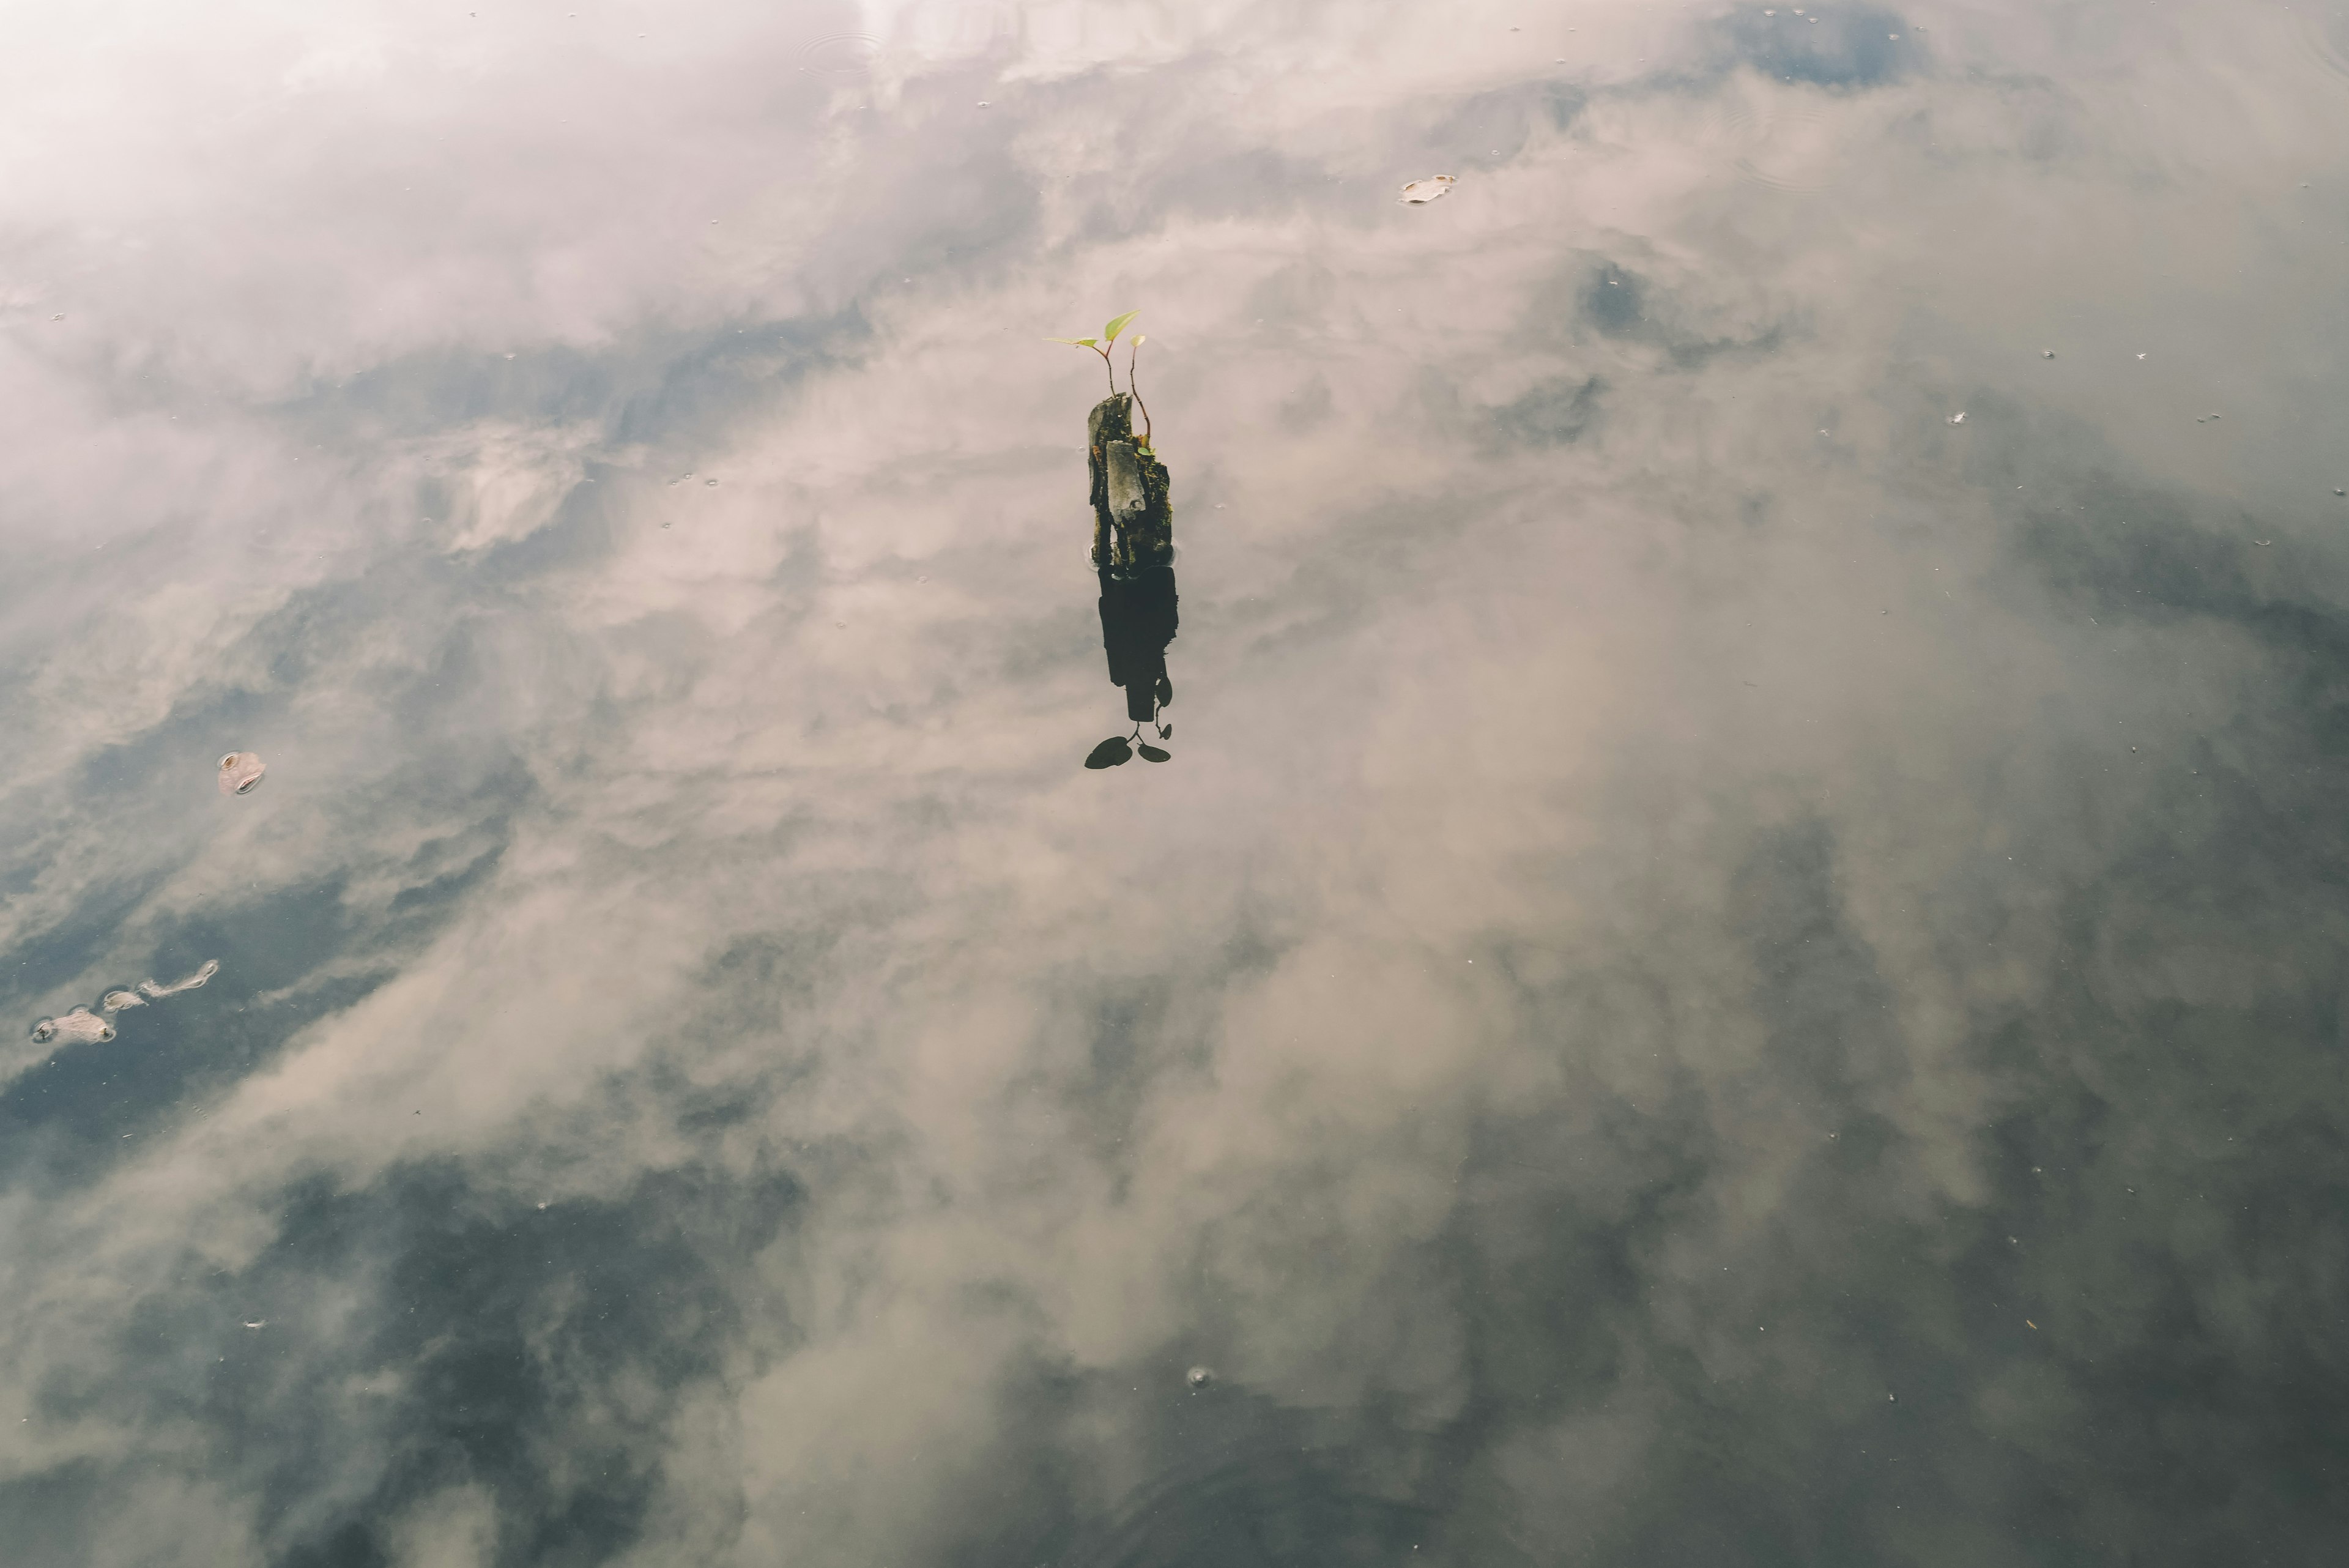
[{"x": 1102, "y": 344}]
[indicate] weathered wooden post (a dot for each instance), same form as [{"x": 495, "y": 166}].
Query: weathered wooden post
[
  {"x": 1134, "y": 521},
  {"x": 1133, "y": 555}
]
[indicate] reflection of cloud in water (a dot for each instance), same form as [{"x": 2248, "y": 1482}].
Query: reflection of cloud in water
[
  {"x": 1780, "y": 137},
  {"x": 2324, "y": 32},
  {"x": 841, "y": 55},
  {"x": 718, "y": 1088}
]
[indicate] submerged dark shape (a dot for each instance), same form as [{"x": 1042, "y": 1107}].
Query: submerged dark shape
[
  {"x": 1134, "y": 522},
  {"x": 1138, "y": 616}
]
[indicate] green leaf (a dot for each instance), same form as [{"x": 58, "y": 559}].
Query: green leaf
[
  {"x": 1093, "y": 343},
  {"x": 1117, "y": 324}
]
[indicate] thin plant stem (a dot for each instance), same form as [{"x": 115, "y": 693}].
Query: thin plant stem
[{"x": 1132, "y": 354}]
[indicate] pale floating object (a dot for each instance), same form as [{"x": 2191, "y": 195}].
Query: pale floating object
[
  {"x": 240, "y": 771},
  {"x": 1428, "y": 189},
  {"x": 81, "y": 1026},
  {"x": 1199, "y": 1377},
  {"x": 263, "y": 1322},
  {"x": 153, "y": 992},
  {"x": 116, "y": 1000},
  {"x": 1959, "y": 418}
]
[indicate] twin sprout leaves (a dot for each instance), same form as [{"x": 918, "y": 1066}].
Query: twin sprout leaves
[{"x": 1103, "y": 344}]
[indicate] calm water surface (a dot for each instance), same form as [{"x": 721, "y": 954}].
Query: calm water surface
[{"x": 1737, "y": 957}]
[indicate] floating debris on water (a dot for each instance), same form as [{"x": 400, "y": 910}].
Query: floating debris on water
[
  {"x": 1428, "y": 189},
  {"x": 116, "y": 1000},
  {"x": 80, "y": 1027},
  {"x": 2047, "y": 353},
  {"x": 240, "y": 771},
  {"x": 1199, "y": 1377},
  {"x": 1959, "y": 418},
  {"x": 210, "y": 966}
]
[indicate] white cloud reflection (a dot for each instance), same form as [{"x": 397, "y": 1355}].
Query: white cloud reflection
[{"x": 1660, "y": 822}]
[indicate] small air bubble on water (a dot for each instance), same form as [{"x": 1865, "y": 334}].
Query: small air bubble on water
[{"x": 1199, "y": 1377}]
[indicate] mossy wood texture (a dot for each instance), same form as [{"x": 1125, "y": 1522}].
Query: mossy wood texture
[{"x": 1133, "y": 523}]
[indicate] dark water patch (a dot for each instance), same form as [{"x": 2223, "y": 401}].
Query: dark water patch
[
  {"x": 1554, "y": 413},
  {"x": 1831, "y": 47},
  {"x": 534, "y": 1353}
]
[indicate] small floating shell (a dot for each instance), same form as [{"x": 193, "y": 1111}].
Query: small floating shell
[{"x": 240, "y": 771}]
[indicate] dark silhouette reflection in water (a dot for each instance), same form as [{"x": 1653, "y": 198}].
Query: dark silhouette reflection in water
[
  {"x": 1133, "y": 554},
  {"x": 1138, "y": 617}
]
